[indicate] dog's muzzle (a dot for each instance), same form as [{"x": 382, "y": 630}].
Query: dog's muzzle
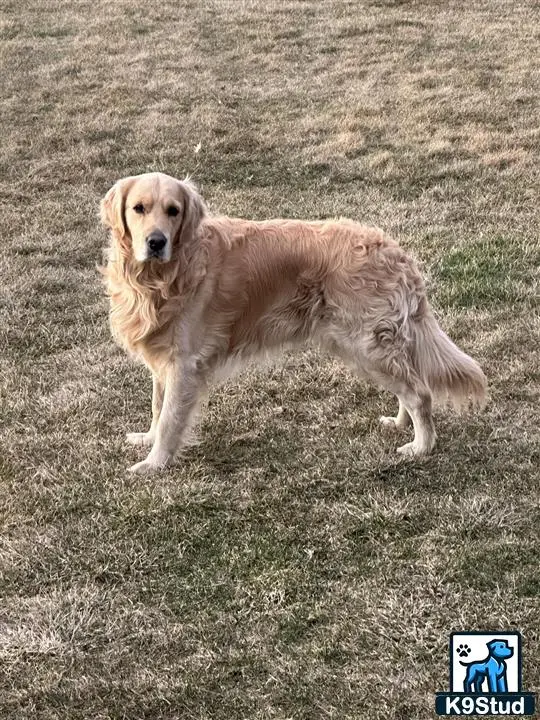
[{"x": 155, "y": 244}]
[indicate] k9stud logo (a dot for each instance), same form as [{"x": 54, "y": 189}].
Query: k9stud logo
[{"x": 485, "y": 676}]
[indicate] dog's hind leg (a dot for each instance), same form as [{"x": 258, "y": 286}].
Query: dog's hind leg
[
  {"x": 415, "y": 400},
  {"x": 479, "y": 681},
  {"x": 418, "y": 404},
  {"x": 401, "y": 421},
  {"x": 385, "y": 360}
]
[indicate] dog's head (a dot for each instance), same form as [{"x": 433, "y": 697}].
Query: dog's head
[
  {"x": 500, "y": 649},
  {"x": 152, "y": 215}
]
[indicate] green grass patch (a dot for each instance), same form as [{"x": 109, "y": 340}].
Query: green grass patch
[{"x": 488, "y": 273}]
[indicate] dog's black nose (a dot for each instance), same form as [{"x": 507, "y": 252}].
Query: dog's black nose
[{"x": 156, "y": 241}]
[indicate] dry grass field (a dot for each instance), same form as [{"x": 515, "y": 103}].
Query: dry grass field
[{"x": 292, "y": 566}]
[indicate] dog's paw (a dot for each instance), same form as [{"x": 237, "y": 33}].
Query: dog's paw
[
  {"x": 155, "y": 462},
  {"x": 411, "y": 450},
  {"x": 463, "y": 650},
  {"x": 144, "y": 468},
  {"x": 390, "y": 423},
  {"x": 141, "y": 439}
]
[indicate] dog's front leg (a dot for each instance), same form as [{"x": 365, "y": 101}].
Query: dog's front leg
[
  {"x": 183, "y": 386},
  {"x": 147, "y": 438},
  {"x": 491, "y": 677}
]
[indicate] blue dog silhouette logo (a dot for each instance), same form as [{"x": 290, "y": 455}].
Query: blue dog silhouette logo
[
  {"x": 485, "y": 676},
  {"x": 493, "y": 668}
]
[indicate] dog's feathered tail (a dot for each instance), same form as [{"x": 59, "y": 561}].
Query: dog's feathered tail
[{"x": 449, "y": 372}]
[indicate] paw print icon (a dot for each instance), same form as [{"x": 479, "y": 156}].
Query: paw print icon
[{"x": 463, "y": 650}]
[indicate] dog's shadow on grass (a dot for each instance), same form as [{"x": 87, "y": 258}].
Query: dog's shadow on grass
[
  {"x": 358, "y": 455},
  {"x": 266, "y": 447},
  {"x": 362, "y": 457}
]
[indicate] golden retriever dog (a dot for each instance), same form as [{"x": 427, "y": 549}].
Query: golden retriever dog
[{"x": 193, "y": 295}]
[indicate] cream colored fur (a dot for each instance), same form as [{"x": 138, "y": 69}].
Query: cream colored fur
[{"x": 229, "y": 290}]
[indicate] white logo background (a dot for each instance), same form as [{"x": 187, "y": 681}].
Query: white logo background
[{"x": 478, "y": 652}]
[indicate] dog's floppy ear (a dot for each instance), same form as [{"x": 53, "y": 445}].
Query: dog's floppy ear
[
  {"x": 194, "y": 211},
  {"x": 113, "y": 206}
]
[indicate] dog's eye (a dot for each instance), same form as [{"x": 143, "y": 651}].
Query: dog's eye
[
  {"x": 139, "y": 208},
  {"x": 172, "y": 211}
]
